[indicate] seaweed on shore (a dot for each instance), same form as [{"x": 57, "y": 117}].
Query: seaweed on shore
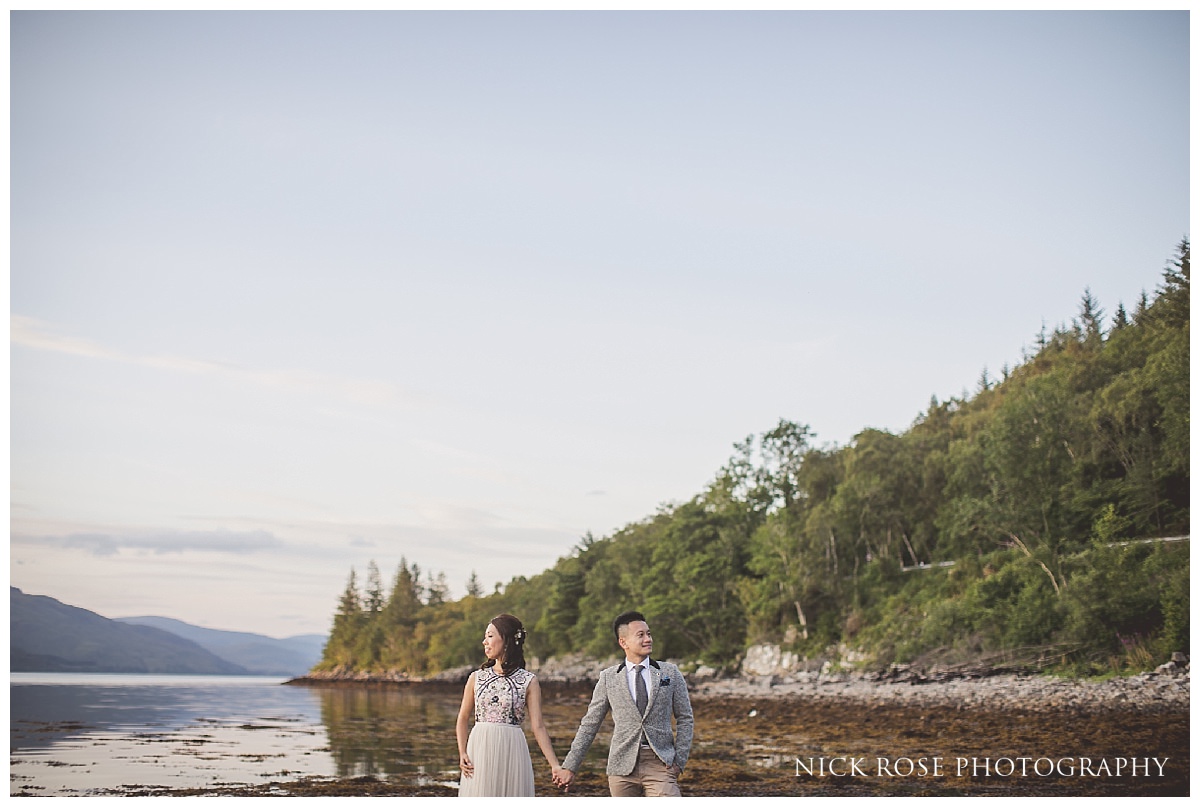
[{"x": 748, "y": 746}]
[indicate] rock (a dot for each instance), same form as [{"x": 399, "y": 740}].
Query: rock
[
  {"x": 849, "y": 655},
  {"x": 572, "y": 669},
  {"x": 768, "y": 659},
  {"x": 454, "y": 675}
]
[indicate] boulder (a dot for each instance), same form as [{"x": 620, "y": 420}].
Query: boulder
[{"x": 769, "y": 660}]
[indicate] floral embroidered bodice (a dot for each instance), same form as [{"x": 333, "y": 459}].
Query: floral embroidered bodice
[{"x": 501, "y": 698}]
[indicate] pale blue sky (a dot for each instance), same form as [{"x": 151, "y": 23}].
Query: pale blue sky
[{"x": 294, "y": 291}]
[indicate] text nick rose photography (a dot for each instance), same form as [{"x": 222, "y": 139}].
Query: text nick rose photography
[{"x": 975, "y": 767}]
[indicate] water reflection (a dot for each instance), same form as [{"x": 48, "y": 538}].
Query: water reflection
[
  {"x": 388, "y": 730},
  {"x": 45, "y": 709},
  {"x": 408, "y": 731},
  {"x": 96, "y": 734},
  {"x": 84, "y": 735}
]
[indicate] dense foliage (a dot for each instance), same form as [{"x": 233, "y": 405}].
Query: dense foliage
[{"x": 1024, "y": 515}]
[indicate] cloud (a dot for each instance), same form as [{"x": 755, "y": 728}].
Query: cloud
[
  {"x": 30, "y": 332},
  {"x": 159, "y": 543},
  {"x": 256, "y": 573}
]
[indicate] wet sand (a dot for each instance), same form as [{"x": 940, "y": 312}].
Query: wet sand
[{"x": 748, "y": 745}]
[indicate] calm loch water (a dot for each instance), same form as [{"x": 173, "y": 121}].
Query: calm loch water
[{"x": 89, "y": 734}]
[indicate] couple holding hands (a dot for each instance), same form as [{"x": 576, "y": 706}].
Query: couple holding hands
[{"x": 645, "y": 755}]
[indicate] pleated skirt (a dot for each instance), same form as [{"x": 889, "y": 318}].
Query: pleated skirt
[{"x": 500, "y": 754}]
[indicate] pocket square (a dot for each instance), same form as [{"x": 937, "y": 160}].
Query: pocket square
[{"x": 666, "y": 679}]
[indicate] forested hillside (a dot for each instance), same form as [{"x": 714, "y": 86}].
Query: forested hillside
[{"x": 1018, "y": 518}]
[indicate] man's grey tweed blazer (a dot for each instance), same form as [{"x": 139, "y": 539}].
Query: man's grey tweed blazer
[{"x": 668, "y": 695}]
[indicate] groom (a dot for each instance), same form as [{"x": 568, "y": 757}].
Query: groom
[{"x": 643, "y": 757}]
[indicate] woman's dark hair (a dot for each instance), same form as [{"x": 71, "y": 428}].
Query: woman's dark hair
[{"x": 513, "y": 636}]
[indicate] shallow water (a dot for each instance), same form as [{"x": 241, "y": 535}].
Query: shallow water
[
  {"x": 85, "y": 734},
  {"x": 77, "y": 734},
  {"x": 169, "y": 735}
]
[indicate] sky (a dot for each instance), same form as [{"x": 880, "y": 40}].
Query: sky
[{"x": 291, "y": 292}]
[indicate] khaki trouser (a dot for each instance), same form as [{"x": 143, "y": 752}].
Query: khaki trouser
[{"x": 650, "y": 777}]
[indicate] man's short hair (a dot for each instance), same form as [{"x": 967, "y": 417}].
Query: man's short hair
[{"x": 624, "y": 619}]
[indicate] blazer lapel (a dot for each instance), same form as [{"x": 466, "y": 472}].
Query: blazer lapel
[{"x": 623, "y": 676}]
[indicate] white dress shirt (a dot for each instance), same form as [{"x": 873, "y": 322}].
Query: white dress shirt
[{"x": 638, "y": 669}]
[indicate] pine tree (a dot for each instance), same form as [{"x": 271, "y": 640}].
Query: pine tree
[
  {"x": 1090, "y": 315},
  {"x": 373, "y": 599},
  {"x": 1175, "y": 297},
  {"x": 436, "y": 592},
  {"x": 404, "y": 604},
  {"x": 394, "y": 646},
  {"x": 418, "y": 588},
  {"x": 347, "y": 624},
  {"x": 349, "y": 613},
  {"x": 474, "y": 589},
  {"x": 985, "y": 383},
  {"x": 1120, "y": 319},
  {"x": 1143, "y": 306}
]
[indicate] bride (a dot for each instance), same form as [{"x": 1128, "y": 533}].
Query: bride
[{"x": 494, "y": 759}]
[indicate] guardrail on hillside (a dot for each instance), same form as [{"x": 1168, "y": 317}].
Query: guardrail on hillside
[
  {"x": 1152, "y": 540},
  {"x": 947, "y": 563},
  {"x": 939, "y": 565}
]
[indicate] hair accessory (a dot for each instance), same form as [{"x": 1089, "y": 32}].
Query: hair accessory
[{"x": 519, "y": 637}]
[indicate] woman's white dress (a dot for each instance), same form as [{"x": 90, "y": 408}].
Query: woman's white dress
[{"x": 497, "y": 746}]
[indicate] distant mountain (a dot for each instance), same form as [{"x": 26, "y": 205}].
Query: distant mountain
[
  {"x": 46, "y": 635},
  {"x": 259, "y": 654}
]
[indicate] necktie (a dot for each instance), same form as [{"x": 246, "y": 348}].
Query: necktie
[{"x": 640, "y": 689}]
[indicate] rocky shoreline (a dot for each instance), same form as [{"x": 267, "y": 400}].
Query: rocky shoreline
[
  {"x": 1168, "y": 689},
  {"x": 1149, "y": 693}
]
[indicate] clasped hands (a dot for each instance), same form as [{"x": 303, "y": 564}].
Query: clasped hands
[{"x": 562, "y": 777}]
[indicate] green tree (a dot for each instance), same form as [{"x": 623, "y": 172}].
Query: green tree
[
  {"x": 701, "y": 557},
  {"x": 436, "y": 590},
  {"x": 348, "y": 622},
  {"x": 373, "y": 595},
  {"x": 397, "y": 621}
]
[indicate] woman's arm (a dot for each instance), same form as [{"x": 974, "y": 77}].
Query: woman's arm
[
  {"x": 533, "y": 702},
  {"x": 462, "y": 729}
]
